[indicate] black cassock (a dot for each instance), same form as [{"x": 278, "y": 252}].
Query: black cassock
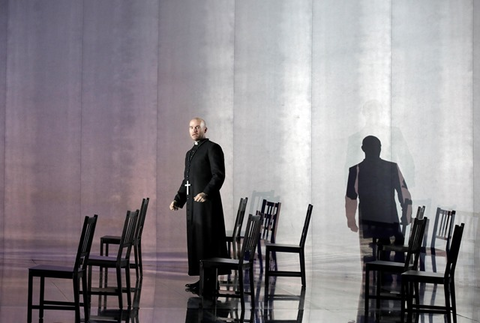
[{"x": 204, "y": 172}]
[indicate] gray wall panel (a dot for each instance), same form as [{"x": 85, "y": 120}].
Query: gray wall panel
[
  {"x": 3, "y": 104},
  {"x": 432, "y": 97},
  {"x": 42, "y": 161},
  {"x": 119, "y": 126},
  {"x": 272, "y": 105}
]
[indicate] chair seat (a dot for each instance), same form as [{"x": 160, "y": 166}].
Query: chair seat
[
  {"x": 428, "y": 277},
  {"x": 110, "y": 239},
  {"x": 385, "y": 265},
  {"x": 105, "y": 261},
  {"x": 52, "y": 271},
  {"x": 283, "y": 247}
]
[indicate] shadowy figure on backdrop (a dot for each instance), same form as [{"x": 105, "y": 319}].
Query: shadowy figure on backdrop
[
  {"x": 374, "y": 182},
  {"x": 377, "y": 119}
]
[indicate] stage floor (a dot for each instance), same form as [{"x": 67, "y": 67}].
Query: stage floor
[{"x": 333, "y": 294}]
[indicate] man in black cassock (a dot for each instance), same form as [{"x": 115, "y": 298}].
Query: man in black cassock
[{"x": 200, "y": 190}]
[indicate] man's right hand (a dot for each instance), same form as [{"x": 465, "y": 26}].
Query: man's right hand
[{"x": 173, "y": 206}]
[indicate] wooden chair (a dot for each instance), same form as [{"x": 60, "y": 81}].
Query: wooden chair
[
  {"x": 119, "y": 263},
  {"x": 107, "y": 240},
  {"x": 392, "y": 267},
  {"x": 268, "y": 231},
  {"x": 241, "y": 265},
  {"x": 77, "y": 274},
  {"x": 233, "y": 238},
  {"x": 273, "y": 248},
  {"x": 412, "y": 278}
]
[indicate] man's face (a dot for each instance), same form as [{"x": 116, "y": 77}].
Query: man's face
[{"x": 197, "y": 131}]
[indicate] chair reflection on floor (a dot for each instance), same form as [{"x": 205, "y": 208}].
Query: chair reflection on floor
[
  {"x": 226, "y": 311},
  {"x": 77, "y": 273},
  {"x": 128, "y": 315},
  {"x": 242, "y": 265},
  {"x": 412, "y": 278},
  {"x": 272, "y": 298}
]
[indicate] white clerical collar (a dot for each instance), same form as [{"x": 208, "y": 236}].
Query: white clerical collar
[{"x": 196, "y": 143}]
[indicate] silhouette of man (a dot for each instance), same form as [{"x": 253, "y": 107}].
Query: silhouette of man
[{"x": 374, "y": 182}]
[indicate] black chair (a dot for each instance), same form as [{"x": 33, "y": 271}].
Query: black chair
[
  {"x": 412, "y": 278},
  {"x": 234, "y": 238},
  {"x": 393, "y": 267},
  {"x": 273, "y": 248},
  {"x": 107, "y": 240},
  {"x": 268, "y": 231},
  {"x": 441, "y": 233},
  {"x": 119, "y": 263},
  {"x": 77, "y": 274},
  {"x": 241, "y": 265},
  {"x": 385, "y": 248}
]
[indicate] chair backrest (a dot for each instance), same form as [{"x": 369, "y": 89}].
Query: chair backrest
[
  {"x": 306, "y": 224},
  {"x": 271, "y": 214},
  {"x": 257, "y": 198},
  {"x": 128, "y": 236},
  {"x": 415, "y": 243},
  {"x": 85, "y": 244},
  {"x": 452, "y": 254},
  {"x": 443, "y": 227},
  {"x": 251, "y": 237},
  {"x": 141, "y": 221},
  {"x": 420, "y": 214},
  {"x": 237, "y": 228}
]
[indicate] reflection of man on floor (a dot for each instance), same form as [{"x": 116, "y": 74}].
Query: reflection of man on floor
[{"x": 374, "y": 181}]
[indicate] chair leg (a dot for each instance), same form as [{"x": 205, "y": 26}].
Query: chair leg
[
  {"x": 367, "y": 291},
  {"x": 30, "y": 291},
  {"x": 42, "y": 298},
  {"x": 140, "y": 261},
  {"x": 378, "y": 285},
  {"x": 76, "y": 298},
  {"x": 252, "y": 289},
  {"x": 448, "y": 312},
  {"x": 453, "y": 304},
  {"x": 242, "y": 291},
  {"x": 260, "y": 257},
  {"x": 86, "y": 299},
  {"x": 119, "y": 290},
  {"x": 267, "y": 271},
  {"x": 128, "y": 286},
  {"x": 404, "y": 296},
  {"x": 302, "y": 268}
]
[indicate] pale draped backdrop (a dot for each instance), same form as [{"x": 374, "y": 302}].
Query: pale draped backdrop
[{"x": 96, "y": 96}]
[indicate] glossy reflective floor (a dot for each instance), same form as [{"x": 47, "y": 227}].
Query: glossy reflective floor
[{"x": 333, "y": 294}]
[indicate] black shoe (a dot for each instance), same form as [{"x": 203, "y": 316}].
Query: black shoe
[
  {"x": 193, "y": 289},
  {"x": 193, "y": 285}
]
